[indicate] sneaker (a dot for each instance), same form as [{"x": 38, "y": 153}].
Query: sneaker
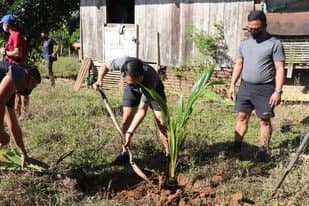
[
  {"x": 262, "y": 155},
  {"x": 121, "y": 159}
]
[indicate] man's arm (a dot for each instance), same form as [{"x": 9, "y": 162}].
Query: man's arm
[
  {"x": 280, "y": 77},
  {"x": 15, "y": 130},
  {"x": 275, "y": 99},
  {"x": 101, "y": 74},
  {"x": 15, "y": 53},
  {"x": 54, "y": 54},
  {"x": 235, "y": 76},
  {"x": 138, "y": 118}
]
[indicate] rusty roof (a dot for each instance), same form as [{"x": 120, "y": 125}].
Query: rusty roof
[{"x": 288, "y": 24}]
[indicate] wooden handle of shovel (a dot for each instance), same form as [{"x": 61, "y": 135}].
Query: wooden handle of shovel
[{"x": 136, "y": 169}]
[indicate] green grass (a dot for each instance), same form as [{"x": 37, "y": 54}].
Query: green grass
[
  {"x": 62, "y": 120},
  {"x": 67, "y": 67}
]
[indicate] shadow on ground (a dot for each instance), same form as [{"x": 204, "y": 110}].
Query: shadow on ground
[{"x": 109, "y": 180}]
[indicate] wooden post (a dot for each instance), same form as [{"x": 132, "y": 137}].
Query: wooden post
[{"x": 158, "y": 52}]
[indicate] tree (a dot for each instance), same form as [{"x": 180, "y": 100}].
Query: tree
[{"x": 35, "y": 16}]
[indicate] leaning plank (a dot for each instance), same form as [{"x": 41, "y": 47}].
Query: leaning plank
[{"x": 86, "y": 65}]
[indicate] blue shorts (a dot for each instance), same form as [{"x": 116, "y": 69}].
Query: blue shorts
[{"x": 255, "y": 96}]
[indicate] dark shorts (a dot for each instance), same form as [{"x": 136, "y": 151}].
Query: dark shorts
[
  {"x": 11, "y": 102},
  {"x": 255, "y": 96},
  {"x": 132, "y": 97}
]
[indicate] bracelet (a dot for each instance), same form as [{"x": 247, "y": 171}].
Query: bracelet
[
  {"x": 130, "y": 133},
  {"x": 278, "y": 91}
]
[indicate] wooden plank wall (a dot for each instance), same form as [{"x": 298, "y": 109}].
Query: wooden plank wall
[
  {"x": 171, "y": 20},
  {"x": 92, "y": 19}
]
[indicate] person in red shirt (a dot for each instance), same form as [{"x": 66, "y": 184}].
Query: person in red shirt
[{"x": 15, "y": 52}]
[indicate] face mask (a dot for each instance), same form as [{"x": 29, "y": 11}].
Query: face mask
[
  {"x": 256, "y": 34},
  {"x": 5, "y": 28},
  {"x": 25, "y": 92}
]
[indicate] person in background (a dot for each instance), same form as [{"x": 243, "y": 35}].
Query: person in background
[
  {"x": 49, "y": 54},
  {"x": 135, "y": 99},
  {"x": 14, "y": 79},
  {"x": 260, "y": 64},
  {"x": 15, "y": 52}
]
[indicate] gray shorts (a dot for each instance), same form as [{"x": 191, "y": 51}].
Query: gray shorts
[
  {"x": 255, "y": 96},
  {"x": 133, "y": 96}
]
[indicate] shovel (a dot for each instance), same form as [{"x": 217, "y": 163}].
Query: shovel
[
  {"x": 292, "y": 162},
  {"x": 136, "y": 169}
]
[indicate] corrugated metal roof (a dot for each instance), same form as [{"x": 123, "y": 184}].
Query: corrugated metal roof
[{"x": 288, "y": 24}]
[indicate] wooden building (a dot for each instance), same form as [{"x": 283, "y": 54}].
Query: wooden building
[
  {"x": 157, "y": 30},
  {"x": 110, "y": 28}
]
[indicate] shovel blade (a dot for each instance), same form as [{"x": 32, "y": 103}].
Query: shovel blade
[{"x": 140, "y": 173}]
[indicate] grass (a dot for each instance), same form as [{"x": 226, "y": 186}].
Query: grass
[
  {"x": 62, "y": 120},
  {"x": 66, "y": 67}
]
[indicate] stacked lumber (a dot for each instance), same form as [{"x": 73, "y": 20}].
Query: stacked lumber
[{"x": 85, "y": 67}]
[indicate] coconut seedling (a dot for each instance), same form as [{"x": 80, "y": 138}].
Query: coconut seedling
[{"x": 177, "y": 121}]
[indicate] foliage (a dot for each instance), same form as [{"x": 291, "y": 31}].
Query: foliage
[
  {"x": 35, "y": 16},
  {"x": 11, "y": 159},
  {"x": 63, "y": 37},
  {"x": 211, "y": 46}
]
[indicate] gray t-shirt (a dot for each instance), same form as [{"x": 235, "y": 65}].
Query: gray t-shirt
[
  {"x": 258, "y": 59},
  {"x": 18, "y": 73},
  {"x": 151, "y": 78}
]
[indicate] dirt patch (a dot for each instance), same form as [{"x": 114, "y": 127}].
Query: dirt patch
[{"x": 184, "y": 192}]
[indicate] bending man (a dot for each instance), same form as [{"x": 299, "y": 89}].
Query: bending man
[
  {"x": 135, "y": 99},
  {"x": 14, "y": 78}
]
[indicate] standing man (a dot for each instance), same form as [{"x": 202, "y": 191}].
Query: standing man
[
  {"x": 135, "y": 99},
  {"x": 15, "y": 52},
  {"x": 14, "y": 78},
  {"x": 49, "y": 55},
  {"x": 260, "y": 63}
]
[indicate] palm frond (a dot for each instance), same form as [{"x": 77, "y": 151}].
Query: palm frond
[{"x": 10, "y": 160}]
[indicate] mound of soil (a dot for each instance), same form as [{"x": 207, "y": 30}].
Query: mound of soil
[{"x": 181, "y": 192}]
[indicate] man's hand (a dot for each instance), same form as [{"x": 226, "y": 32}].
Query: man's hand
[
  {"x": 97, "y": 84},
  {"x": 232, "y": 92},
  {"x": 2, "y": 50},
  {"x": 128, "y": 138},
  {"x": 275, "y": 99},
  {"x": 24, "y": 158}
]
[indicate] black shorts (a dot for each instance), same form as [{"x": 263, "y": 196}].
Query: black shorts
[
  {"x": 255, "y": 96},
  {"x": 11, "y": 102},
  {"x": 133, "y": 96}
]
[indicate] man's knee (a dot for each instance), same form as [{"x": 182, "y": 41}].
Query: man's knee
[
  {"x": 243, "y": 117},
  {"x": 265, "y": 122}
]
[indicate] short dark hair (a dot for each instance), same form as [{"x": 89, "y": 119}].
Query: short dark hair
[
  {"x": 33, "y": 71},
  {"x": 257, "y": 15},
  {"x": 134, "y": 68}
]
